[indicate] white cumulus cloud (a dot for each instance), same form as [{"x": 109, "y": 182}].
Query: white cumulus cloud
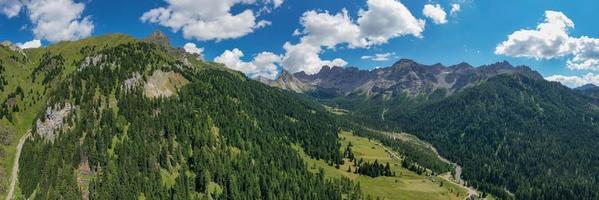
[
  {"x": 264, "y": 64},
  {"x": 306, "y": 57},
  {"x": 575, "y": 81},
  {"x": 386, "y": 19},
  {"x": 379, "y": 56},
  {"x": 585, "y": 54},
  {"x": 53, "y": 20},
  {"x": 550, "y": 40},
  {"x": 30, "y": 44},
  {"x": 194, "y": 50},
  {"x": 455, "y": 8},
  {"x": 276, "y": 3},
  {"x": 10, "y": 8},
  {"x": 324, "y": 29},
  {"x": 435, "y": 13},
  {"x": 381, "y": 21},
  {"x": 207, "y": 19}
]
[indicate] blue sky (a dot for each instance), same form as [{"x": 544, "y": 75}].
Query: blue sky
[{"x": 471, "y": 34}]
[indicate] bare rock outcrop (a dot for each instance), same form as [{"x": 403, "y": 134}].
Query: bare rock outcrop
[
  {"x": 164, "y": 84},
  {"x": 53, "y": 120}
]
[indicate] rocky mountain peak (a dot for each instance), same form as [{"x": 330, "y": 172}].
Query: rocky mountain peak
[
  {"x": 285, "y": 75},
  {"x": 587, "y": 87},
  {"x": 404, "y": 62},
  {"x": 11, "y": 46},
  {"x": 462, "y": 65},
  {"x": 404, "y": 77},
  {"x": 504, "y": 63},
  {"x": 159, "y": 38},
  {"x": 263, "y": 79}
]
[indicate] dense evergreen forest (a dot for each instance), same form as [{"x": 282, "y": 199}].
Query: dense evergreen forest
[
  {"x": 514, "y": 135},
  {"x": 374, "y": 169},
  {"x": 416, "y": 156},
  {"x": 3, "y": 81},
  {"x": 530, "y": 136},
  {"x": 221, "y": 135}
]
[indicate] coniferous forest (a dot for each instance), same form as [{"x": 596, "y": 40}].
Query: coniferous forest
[
  {"x": 515, "y": 136},
  {"x": 307, "y": 100},
  {"x": 201, "y": 131},
  {"x": 221, "y": 136}
]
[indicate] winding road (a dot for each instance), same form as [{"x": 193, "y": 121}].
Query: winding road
[
  {"x": 457, "y": 178},
  {"x": 15, "y": 167}
]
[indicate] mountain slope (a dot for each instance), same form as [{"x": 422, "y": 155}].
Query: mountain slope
[
  {"x": 371, "y": 95},
  {"x": 286, "y": 81},
  {"x": 128, "y": 119},
  {"x": 590, "y": 90},
  {"x": 515, "y": 134},
  {"x": 405, "y": 77},
  {"x": 535, "y": 138}
]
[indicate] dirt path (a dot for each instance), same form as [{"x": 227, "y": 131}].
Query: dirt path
[
  {"x": 457, "y": 178},
  {"x": 15, "y": 167},
  {"x": 393, "y": 154}
]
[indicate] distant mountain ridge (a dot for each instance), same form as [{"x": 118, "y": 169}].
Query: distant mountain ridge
[
  {"x": 517, "y": 135},
  {"x": 590, "y": 89},
  {"x": 587, "y": 87},
  {"x": 405, "y": 77},
  {"x": 286, "y": 81}
]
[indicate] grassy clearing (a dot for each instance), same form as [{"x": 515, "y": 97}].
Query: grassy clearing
[
  {"x": 18, "y": 74},
  {"x": 405, "y": 185},
  {"x": 336, "y": 111}
]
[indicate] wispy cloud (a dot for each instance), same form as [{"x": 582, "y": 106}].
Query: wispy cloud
[{"x": 380, "y": 56}]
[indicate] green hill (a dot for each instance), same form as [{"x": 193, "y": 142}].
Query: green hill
[
  {"x": 117, "y": 118},
  {"x": 514, "y": 133}
]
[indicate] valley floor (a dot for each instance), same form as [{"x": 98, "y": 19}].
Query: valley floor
[{"x": 405, "y": 185}]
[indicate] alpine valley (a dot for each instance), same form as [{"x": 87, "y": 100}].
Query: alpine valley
[
  {"x": 515, "y": 134},
  {"x": 115, "y": 117}
]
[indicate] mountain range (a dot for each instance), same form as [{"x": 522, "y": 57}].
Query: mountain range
[
  {"x": 405, "y": 77},
  {"x": 115, "y": 117},
  {"x": 515, "y": 133}
]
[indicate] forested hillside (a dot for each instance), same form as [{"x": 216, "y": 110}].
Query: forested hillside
[
  {"x": 116, "y": 117},
  {"x": 514, "y": 133},
  {"x": 133, "y": 121}
]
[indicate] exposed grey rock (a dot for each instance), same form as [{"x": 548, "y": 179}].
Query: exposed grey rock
[
  {"x": 12, "y": 47},
  {"x": 164, "y": 84},
  {"x": 134, "y": 81},
  {"x": 286, "y": 81},
  {"x": 95, "y": 60},
  {"x": 159, "y": 38},
  {"x": 53, "y": 120},
  {"x": 405, "y": 77}
]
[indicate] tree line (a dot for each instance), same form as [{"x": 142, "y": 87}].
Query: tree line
[{"x": 222, "y": 136}]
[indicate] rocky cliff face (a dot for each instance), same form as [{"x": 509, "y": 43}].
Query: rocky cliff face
[
  {"x": 287, "y": 81},
  {"x": 158, "y": 38},
  {"x": 53, "y": 121},
  {"x": 405, "y": 77},
  {"x": 161, "y": 40}
]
